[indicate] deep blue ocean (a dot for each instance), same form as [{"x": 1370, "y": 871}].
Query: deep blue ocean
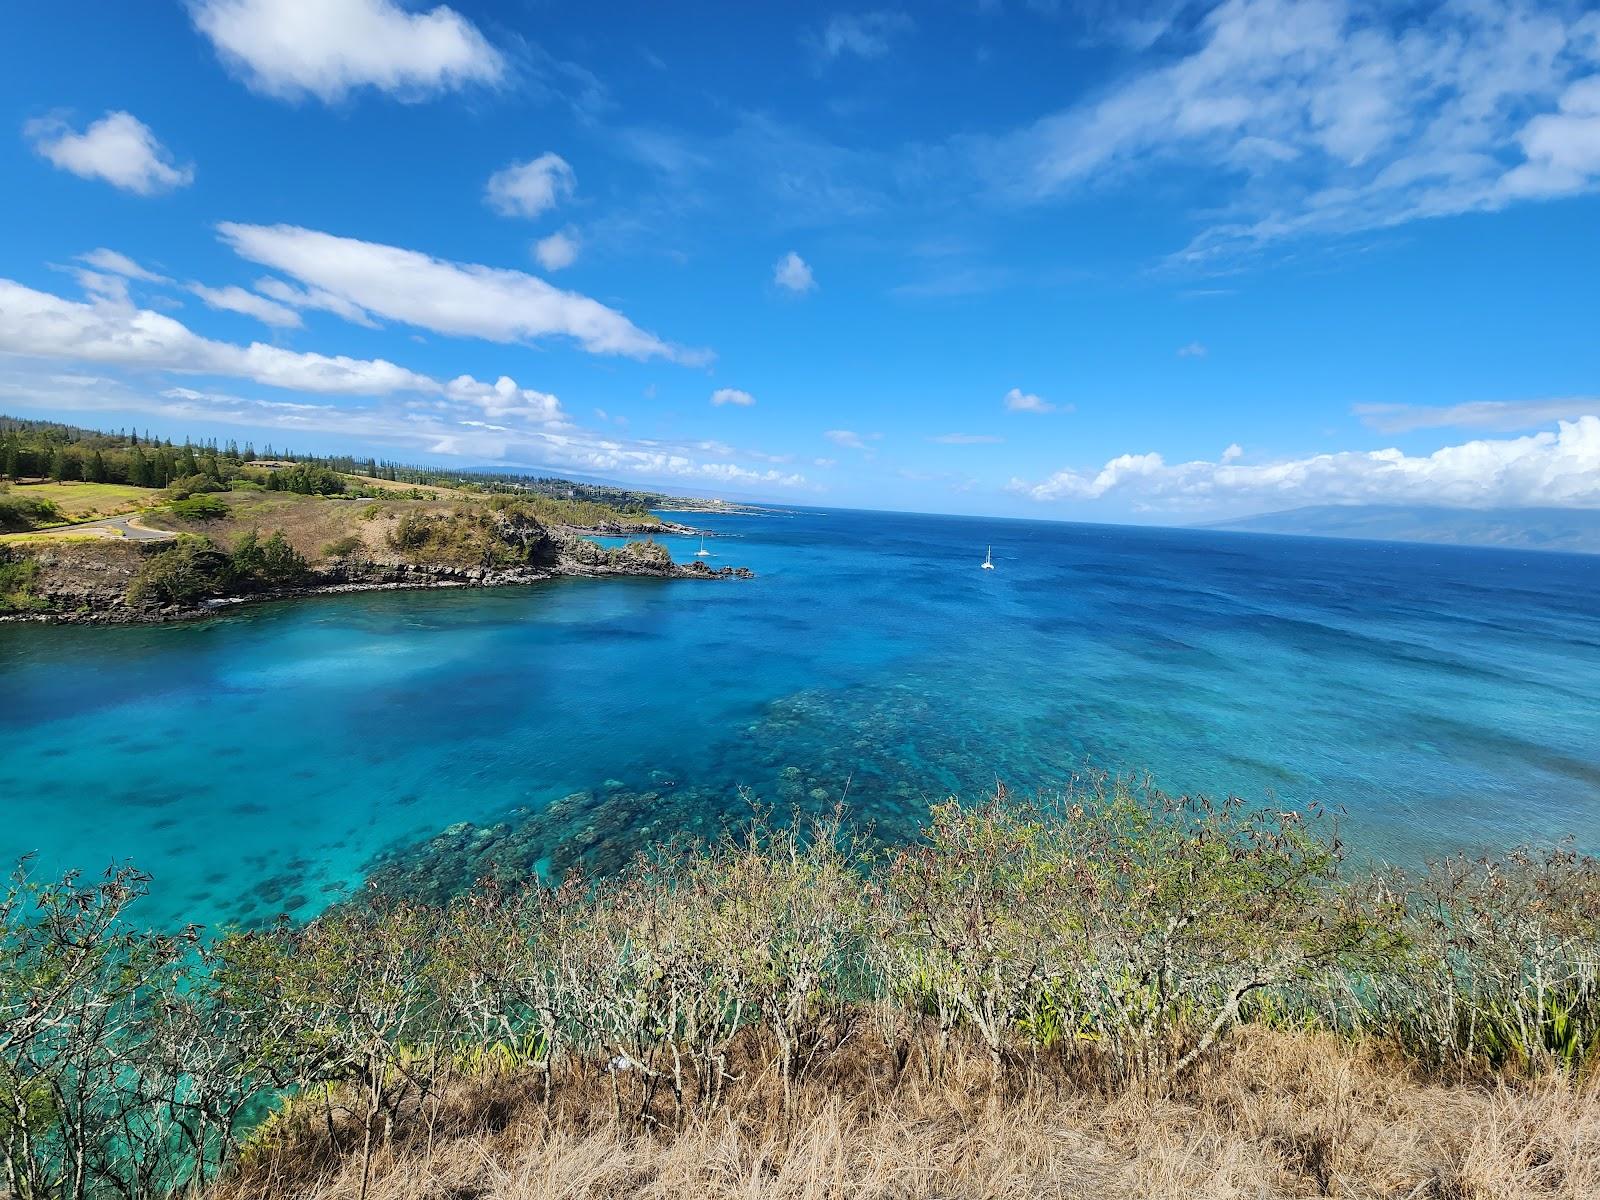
[{"x": 1439, "y": 697}]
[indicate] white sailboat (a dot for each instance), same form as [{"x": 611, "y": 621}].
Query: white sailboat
[
  {"x": 702, "y": 552},
  {"x": 988, "y": 560}
]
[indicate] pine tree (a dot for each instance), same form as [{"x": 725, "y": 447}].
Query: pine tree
[
  {"x": 58, "y": 465},
  {"x": 97, "y": 468},
  {"x": 13, "y": 462}
]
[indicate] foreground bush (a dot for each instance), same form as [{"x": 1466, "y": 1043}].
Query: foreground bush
[
  {"x": 193, "y": 568},
  {"x": 20, "y": 513},
  {"x": 1104, "y": 945}
]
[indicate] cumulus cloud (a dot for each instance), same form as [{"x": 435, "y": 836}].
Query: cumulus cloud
[
  {"x": 118, "y": 148},
  {"x": 1017, "y": 400},
  {"x": 733, "y": 396},
  {"x": 459, "y": 299},
  {"x": 530, "y": 188},
  {"x": 1498, "y": 416},
  {"x": 236, "y": 299},
  {"x": 793, "y": 274},
  {"x": 1333, "y": 115},
  {"x": 44, "y": 325},
  {"x": 967, "y": 439},
  {"x": 108, "y": 333},
  {"x": 1559, "y": 468},
  {"x": 328, "y": 48},
  {"x": 41, "y": 334},
  {"x": 557, "y": 251},
  {"x": 865, "y": 35},
  {"x": 120, "y": 264}
]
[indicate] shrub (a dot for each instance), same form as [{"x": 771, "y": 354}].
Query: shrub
[
  {"x": 189, "y": 570},
  {"x": 273, "y": 563},
  {"x": 308, "y": 479},
  {"x": 199, "y": 508},
  {"x": 1115, "y": 931},
  {"x": 193, "y": 485},
  {"x": 19, "y": 576},
  {"x": 473, "y": 535},
  {"x": 368, "y": 512},
  {"x": 344, "y": 547},
  {"x": 21, "y": 513}
]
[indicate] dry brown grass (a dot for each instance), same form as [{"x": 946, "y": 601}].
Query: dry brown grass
[{"x": 1274, "y": 1115}]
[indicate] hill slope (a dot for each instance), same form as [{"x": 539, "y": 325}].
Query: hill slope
[{"x": 1572, "y": 530}]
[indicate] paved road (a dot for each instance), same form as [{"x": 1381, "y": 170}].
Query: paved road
[{"x": 123, "y": 527}]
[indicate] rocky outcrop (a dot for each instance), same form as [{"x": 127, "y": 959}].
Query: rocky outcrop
[{"x": 87, "y": 582}]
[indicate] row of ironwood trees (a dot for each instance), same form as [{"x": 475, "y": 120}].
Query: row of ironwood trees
[
  {"x": 50, "y": 450},
  {"x": 1116, "y": 922}
]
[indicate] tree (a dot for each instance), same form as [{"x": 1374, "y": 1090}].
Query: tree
[
  {"x": 13, "y": 462},
  {"x": 97, "y": 468}
]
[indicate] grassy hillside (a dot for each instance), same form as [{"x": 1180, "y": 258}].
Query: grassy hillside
[
  {"x": 1111, "y": 993},
  {"x": 184, "y": 546}
]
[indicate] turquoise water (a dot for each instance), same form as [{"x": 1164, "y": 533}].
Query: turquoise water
[{"x": 257, "y": 763}]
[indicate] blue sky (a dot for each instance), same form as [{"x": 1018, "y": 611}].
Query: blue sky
[{"x": 1086, "y": 261}]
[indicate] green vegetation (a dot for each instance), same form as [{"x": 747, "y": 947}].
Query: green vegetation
[
  {"x": 21, "y": 513},
  {"x": 344, "y": 547},
  {"x": 503, "y": 534},
  {"x": 50, "y": 450},
  {"x": 1114, "y": 939},
  {"x": 192, "y": 569},
  {"x": 306, "y": 478},
  {"x": 199, "y": 508},
  {"x": 19, "y": 577}
]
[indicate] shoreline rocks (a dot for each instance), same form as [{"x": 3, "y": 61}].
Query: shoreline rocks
[{"x": 103, "y": 601}]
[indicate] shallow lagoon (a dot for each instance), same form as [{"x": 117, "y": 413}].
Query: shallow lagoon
[{"x": 258, "y": 762}]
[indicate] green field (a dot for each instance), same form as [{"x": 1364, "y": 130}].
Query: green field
[{"x": 85, "y": 501}]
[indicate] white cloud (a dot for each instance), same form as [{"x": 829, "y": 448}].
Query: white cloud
[
  {"x": 851, "y": 440},
  {"x": 42, "y": 325},
  {"x": 558, "y": 251},
  {"x": 967, "y": 439},
  {"x": 118, "y": 148},
  {"x": 1560, "y": 469},
  {"x": 461, "y": 299},
  {"x": 1233, "y": 452},
  {"x": 329, "y": 48},
  {"x": 1562, "y": 148},
  {"x": 866, "y": 35},
  {"x": 530, "y": 188},
  {"x": 733, "y": 396},
  {"x": 1192, "y": 350},
  {"x": 1498, "y": 416},
  {"x": 793, "y": 273},
  {"x": 372, "y": 400},
  {"x": 38, "y": 324},
  {"x": 1331, "y": 116},
  {"x": 314, "y": 298},
  {"x": 503, "y": 399},
  {"x": 120, "y": 264},
  {"x": 236, "y": 299},
  {"x": 1018, "y": 400}
]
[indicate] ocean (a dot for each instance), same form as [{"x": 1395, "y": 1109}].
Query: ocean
[{"x": 1432, "y": 698}]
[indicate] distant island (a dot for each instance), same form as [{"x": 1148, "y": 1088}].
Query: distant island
[
  {"x": 117, "y": 528},
  {"x": 1576, "y": 531}
]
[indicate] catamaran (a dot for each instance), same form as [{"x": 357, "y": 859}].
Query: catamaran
[
  {"x": 702, "y": 552},
  {"x": 988, "y": 560}
]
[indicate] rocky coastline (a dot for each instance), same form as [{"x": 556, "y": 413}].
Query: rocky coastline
[{"x": 88, "y": 584}]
